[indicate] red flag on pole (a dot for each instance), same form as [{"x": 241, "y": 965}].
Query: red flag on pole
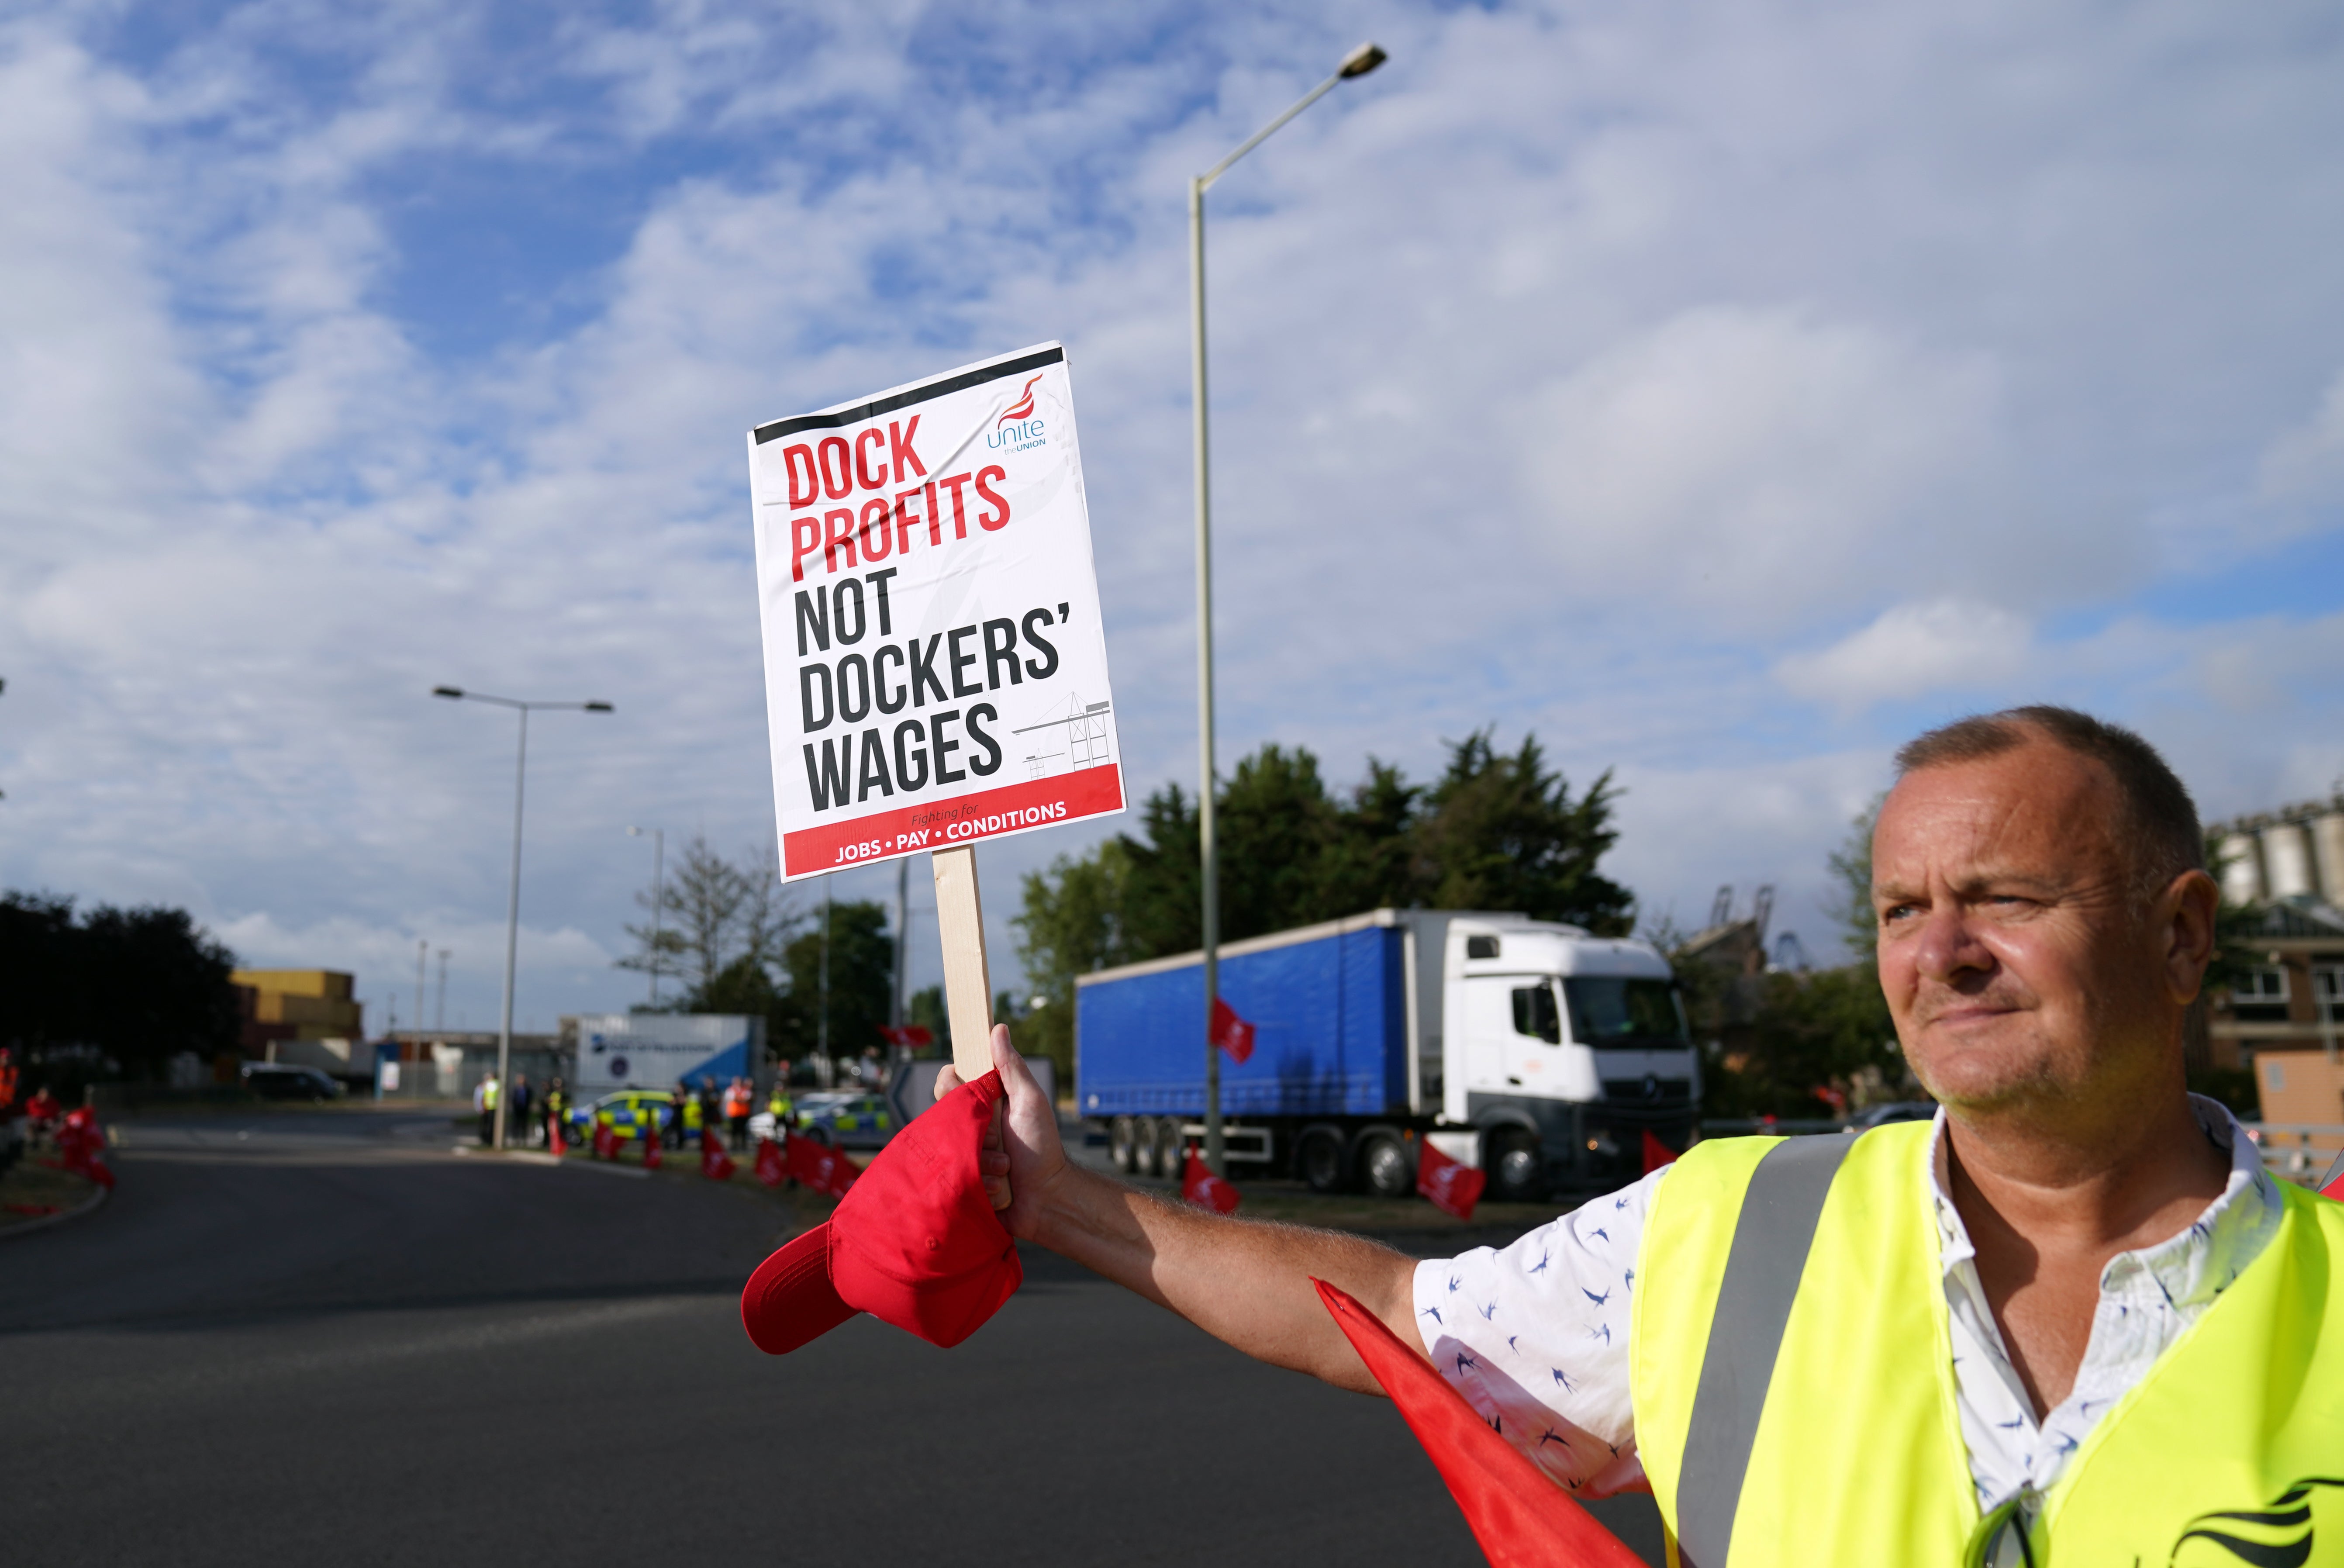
[
  {"x": 1231, "y": 1033},
  {"x": 911, "y": 1036},
  {"x": 772, "y": 1169},
  {"x": 1520, "y": 1518},
  {"x": 606, "y": 1142},
  {"x": 821, "y": 1168},
  {"x": 1656, "y": 1153},
  {"x": 1454, "y": 1187},
  {"x": 714, "y": 1163},
  {"x": 1200, "y": 1187}
]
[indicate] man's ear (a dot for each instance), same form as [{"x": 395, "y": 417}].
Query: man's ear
[{"x": 2184, "y": 919}]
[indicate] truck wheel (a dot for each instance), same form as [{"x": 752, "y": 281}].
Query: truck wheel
[
  {"x": 1320, "y": 1160},
  {"x": 1123, "y": 1146},
  {"x": 1171, "y": 1159},
  {"x": 1143, "y": 1148},
  {"x": 1517, "y": 1175},
  {"x": 1384, "y": 1167}
]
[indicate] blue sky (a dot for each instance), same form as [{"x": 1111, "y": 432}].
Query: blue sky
[{"x": 1722, "y": 391}]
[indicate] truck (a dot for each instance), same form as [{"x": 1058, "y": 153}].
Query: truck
[{"x": 1532, "y": 1050}]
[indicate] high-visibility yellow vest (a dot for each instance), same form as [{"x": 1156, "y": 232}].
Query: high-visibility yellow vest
[
  {"x": 488, "y": 1094},
  {"x": 2235, "y": 1433},
  {"x": 691, "y": 1115}
]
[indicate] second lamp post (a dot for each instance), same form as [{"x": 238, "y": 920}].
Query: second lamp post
[{"x": 1357, "y": 63}]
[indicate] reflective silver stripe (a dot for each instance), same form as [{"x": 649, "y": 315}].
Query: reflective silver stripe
[{"x": 1771, "y": 1240}]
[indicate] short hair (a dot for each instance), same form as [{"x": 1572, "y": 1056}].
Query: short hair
[{"x": 2160, "y": 828}]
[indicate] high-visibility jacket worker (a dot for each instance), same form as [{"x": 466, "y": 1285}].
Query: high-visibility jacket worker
[
  {"x": 691, "y": 1113},
  {"x": 2236, "y": 1434},
  {"x": 782, "y": 1109}
]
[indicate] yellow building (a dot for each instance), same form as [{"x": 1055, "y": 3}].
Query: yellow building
[{"x": 303, "y": 1004}]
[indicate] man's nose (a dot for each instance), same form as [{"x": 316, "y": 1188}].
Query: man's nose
[{"x": 1948, "y": 947}]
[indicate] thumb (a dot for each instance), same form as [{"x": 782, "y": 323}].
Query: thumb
[{"x": 1016, "y": 1075}]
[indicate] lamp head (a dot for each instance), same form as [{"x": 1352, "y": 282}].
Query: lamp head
[
  {"x": 1361, "y": 60},
  {"x": 447, "y": 691}
]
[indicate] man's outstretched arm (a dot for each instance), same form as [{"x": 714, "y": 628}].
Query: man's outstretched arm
[{"x": 1244, "y": 1282}]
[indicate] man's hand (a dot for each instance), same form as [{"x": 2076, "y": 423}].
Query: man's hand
[
  {"x": 1023, "y": 1157},
  {"x": 1245, "y": 1283}
]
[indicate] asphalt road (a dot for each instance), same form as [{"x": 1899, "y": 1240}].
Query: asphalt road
[{"x": 297, "y": 1336}]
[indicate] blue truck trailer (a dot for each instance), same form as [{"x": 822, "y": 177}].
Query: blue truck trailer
[{"x": 1533, "y": 1050}]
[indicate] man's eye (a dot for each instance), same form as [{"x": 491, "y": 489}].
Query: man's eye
[{"x": 1895, "y": 912}]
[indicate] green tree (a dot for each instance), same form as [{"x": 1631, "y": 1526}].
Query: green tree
[
  {"x": 1071, "y": 923},
  {"x": 1827, "y": 1029},
  {"x": 862, "y": 976},
  {"x": 1503, "y": 832},
  {"x": 136, "y": 986},
  {"x": 1371, "y": 861},
  {"x": 1850, "y": 867}
]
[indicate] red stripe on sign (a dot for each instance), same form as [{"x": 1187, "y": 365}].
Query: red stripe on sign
[{"x": 1012, "y": 808}]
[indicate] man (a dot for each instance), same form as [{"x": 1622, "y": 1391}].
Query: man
[
  {"x": 518, "y": 1127},
  {"x": 738, "y": 1097},
  {"x": 2074, "y": 1310},
  {"x": 484, "y": 1100}
]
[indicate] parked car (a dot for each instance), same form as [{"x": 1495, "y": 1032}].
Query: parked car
[
  {"x": 630, "y": 1111},
  {"x": 281, "y": 1080},
  {"x": 847, "y": 1121}
]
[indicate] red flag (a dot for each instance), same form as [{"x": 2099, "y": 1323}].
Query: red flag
[
  {"x": 651, "y": 1148},
  {"x": 1200, "y": 1187},
  {"x": 1520, "y": 1518},
  {"x": 1656, "y": 1153},
  {"x": 714, "y": 1163},
  {"x": 1454, "y": 1187},
  {"x": 2335, "y": 1188},
  {"x": 772, "y": 1169},
  {"x": 553, "y": 1137},
  {"x": 1231, "y": 1033},
  {"x": 606, "y": 1141},
  {"x": 911, "y": 1036},
  {"x": 822, "y": 1167}
]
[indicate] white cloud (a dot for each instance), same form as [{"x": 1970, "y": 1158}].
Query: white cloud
[
  {"x": 1757, "y": 462},
  {"x": 1911, "y": 650},
  {"x": 2307, "y": 461},
  {"x": 1579, "y": 372}
]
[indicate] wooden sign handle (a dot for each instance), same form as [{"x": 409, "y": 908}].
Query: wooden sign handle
[{"x": 968, "y": 984}]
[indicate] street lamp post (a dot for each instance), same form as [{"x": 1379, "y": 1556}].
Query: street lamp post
[
  {"x": 1357, "y": 63},
  {"x": 658, "y": 884},
  {"x": 513, "y": 892}
]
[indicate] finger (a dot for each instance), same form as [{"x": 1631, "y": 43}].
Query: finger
[
  {"x": 947, "y": 1080},
  {"x": 1016, "y": 1076}
]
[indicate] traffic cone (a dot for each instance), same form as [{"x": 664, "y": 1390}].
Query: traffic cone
[{"x": 651, "y": 1149}]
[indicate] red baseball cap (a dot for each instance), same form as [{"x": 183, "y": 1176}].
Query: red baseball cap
[{"x": 914, "y": 1242}]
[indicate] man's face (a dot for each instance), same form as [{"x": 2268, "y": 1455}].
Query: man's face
[{"x": 2013, "y": 960}]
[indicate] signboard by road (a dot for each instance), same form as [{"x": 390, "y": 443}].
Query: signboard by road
[
  {"x": 935, "y": 671},
  {"x": 659, "y": 1050}
]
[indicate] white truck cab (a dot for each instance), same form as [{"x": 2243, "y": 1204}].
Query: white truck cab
[{"x": 1561, "y": 1049}]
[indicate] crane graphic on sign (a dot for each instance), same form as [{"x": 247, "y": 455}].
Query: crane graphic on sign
[{"x": 1087, "y": 738}]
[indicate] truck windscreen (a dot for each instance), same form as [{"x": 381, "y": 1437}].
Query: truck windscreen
[{"x": 1613, "y": 1010}]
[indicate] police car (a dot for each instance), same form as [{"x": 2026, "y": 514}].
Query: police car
[
  {"x": 847, "y": 1120},
  {"x": 631, "y": 1111}
]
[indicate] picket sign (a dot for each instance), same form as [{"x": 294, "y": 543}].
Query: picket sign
[{"x": 935, "y": 670}]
